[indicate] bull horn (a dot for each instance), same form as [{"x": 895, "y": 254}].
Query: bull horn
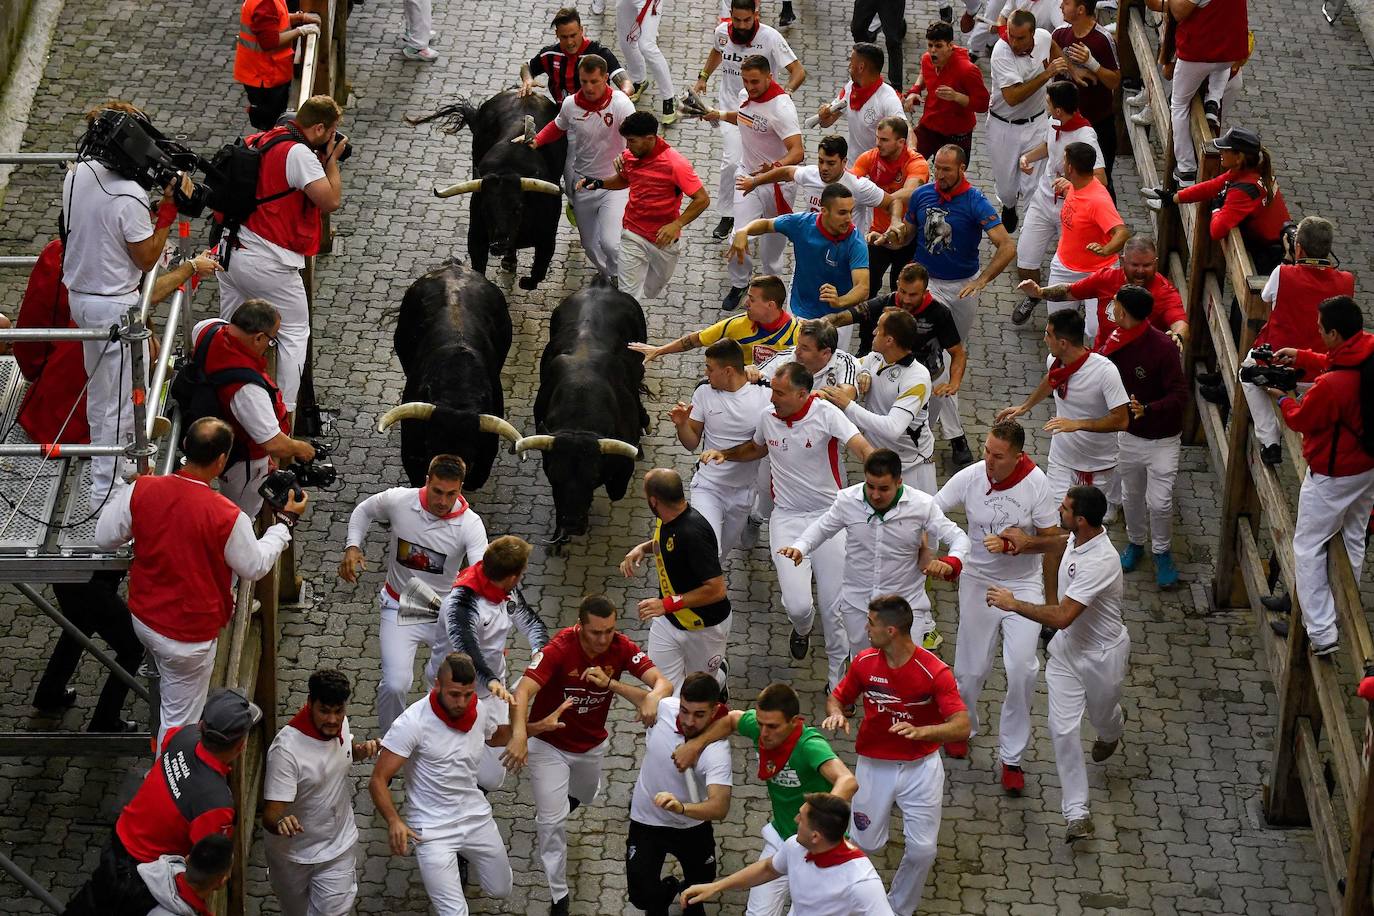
[
  {"x": 617, "y": 447},
  {"x": 498, "y": 426},
  {"x": 539, "y": 443},
  {"x": 462, "y": 187},
  {"x": 543, "y": 187},
  {"x": 411, "y": 410}
]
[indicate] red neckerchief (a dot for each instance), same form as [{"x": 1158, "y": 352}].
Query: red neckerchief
[
  {"x": 586, "y": 105},
  {"x": 475, "y": 578},
  {"x": 1024, "y": 465},
  {"x": 862, "y": 94},
  {"x": 1060, "y": 373},
  {"x": 782, "y": 321},
  {"x": 1077, "y": 122},
  {"x": 960, "y": 188},
  {"x": 886, "y": 173},
  {"x": 463, "y": 723},
  {"x": 925, "y": 304},
  {"x": 820, "y": 227},
  {"x": 743, "y": 39},
  {"x": 304, "y": 723},
  {"x": 772, "y": 92},
  {"x": 840, "y": 853},
  {"x": 806, "y": 405},
  {"x": 1121, "y": 337},
  {"x": 772, "y": 762},
  {"x": 719, "y": 713},
  {"x": 188, "y": 893},
  {"x": 458, "y": 508}
]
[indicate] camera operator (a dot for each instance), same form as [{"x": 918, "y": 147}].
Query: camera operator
[
  {"x": 1338, "y": 490},
  {"x": 191, "y": 541},
  {"x": 110, "y": 243},
  {"x": 297, "y": 181},
  {"x": 253, "y": 410}
]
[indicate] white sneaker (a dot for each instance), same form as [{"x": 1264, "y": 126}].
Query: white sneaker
[
  {"x": 1140, "y": 99},
  {"x": 1144, "y": 117},
  {"x": 424, "y": 55},
  {"x": 433, "y": 40}
]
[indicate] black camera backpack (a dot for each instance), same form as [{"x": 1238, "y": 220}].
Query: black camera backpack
[
  {"x": 196, "y": 392},
  {"x": 234, "y": 191}
]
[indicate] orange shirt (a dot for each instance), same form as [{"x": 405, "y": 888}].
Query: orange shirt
[
  {"x": 890, "y": 177},
  {"x": 1088, "y": 216}
]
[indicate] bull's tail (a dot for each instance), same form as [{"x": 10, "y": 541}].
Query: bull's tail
[{"x": 453, "y": 117}]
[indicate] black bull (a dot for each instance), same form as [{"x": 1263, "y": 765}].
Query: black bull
[
  {"x": 452, "y": 336},
  {"x": 515, "y": 199},
  {"x": 588, "y": 413}
]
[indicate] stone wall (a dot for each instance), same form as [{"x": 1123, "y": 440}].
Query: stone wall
[{"x": 14, "y": 15}]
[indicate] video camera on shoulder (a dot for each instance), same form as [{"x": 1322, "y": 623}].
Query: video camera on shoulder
[
  {"x": 284, "y": 483},
  {"x": 131, "y": 147},
  {"x": 1267, "y": 374}
]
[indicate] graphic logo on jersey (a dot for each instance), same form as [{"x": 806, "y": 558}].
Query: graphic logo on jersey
[
  {"x": 538, "y": 657},
  {"x": 938, "y": 235},
  {"x": 1072, "y": 568},
  {"x": 861, "y": 820},
  {"x": 786, "y": 778},
  {"x": 669, "y": 544},
  {"x": 808, "y": 443},
  {"x": 1140, "y": 372},
  {"x": 638, "y": 657},
  {"x": 763, "y": 353},
  {"x": 419, "y": 558}
]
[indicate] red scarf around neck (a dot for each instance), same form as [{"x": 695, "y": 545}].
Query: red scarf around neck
[
  {"x": 783, "y": 319},
  {"x": 962, "y": 187},
  {"x": 1060, "y": 373},
  {"x": 475, "y": 578},
  {"x": 1024, "y": 465},
  {"x": 188, "y": 893},
  {"x": 825, "y": 233},
  {"x": 860, "y": 95},
  {"x": 772, "y": 92},
  {"x": 806, "y": 405},
  {"x": 1121, "y": 337},
  {"x": 844, "y": 851},
  {"x": 925, "y": 304},
  {"x": 463, "y": 723},
  {"x": 890, "y": 175},
  {"x": 459, "y": 507},
  {"x": 1077, "y": 122},
  {"x": 304, "y": 723},
  {"x": 743, "y": 39},
  {"x": 772, "y": 762},
  {"x": 587, "y": 105}
]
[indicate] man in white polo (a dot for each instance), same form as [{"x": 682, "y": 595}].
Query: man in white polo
[
  {"x": 1021, "y": 67},
  {"x": 864, "y": 100}
]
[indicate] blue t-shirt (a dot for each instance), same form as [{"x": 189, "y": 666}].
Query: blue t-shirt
[
  {"x": 820, "y": 259},
  {"x": 948, "y": 233}
]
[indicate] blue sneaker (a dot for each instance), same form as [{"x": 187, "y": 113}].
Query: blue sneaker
[
  {"x": 1130, "y": 556},
  {"x": 1166, "y": 573}
]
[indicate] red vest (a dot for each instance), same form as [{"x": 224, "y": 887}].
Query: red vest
[
  {"x": 1293, "y": 322},
  {"x": 292, "y": 221},
  {"x": 227, "y": 353},
  {"x": 1217, "y": 32},
  {"x": 55, "y": 369},
  {"x": 254, "y": 65},
  {"x": 179, "y": 580}
]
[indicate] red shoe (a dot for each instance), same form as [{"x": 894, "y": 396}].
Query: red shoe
[
  {"x": 1013, "y": 780},
  {"x": 957, "y": 749}
]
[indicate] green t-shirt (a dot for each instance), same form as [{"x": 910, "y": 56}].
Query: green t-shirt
[{"x": 802, "y": 773}]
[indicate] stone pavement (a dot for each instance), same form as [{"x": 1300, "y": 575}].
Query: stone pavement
[{"x": 1176, "y": 811}]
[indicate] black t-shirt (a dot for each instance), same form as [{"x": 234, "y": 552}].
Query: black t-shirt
[
  {"x": 936, "y": 331},
  {"x": 562, "y": 68},
  {"x": 688, "y": 556}
]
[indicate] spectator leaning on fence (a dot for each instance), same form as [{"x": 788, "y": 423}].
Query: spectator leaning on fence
[
  {"x": 1212, "y": 35},
  {"x": 264, "y": 56}
]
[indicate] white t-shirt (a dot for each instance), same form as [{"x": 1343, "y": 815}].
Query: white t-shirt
[
  {"x": 251, "y": 404},
  {"x": 1056, "y": 142},
  {"x": 594, "y": 138},
  {"x": 420, "y": 544},
  {"x": 303, "y": 166},
  {"x": 1270, "y": 293},
  {"x": 658, "y": 773},
  {"x": 1047, "y": 13},
  {"x": 863, "y": 124},
  {"x": 842, "y": 369},
  {"x": 729, "y": 418},
  {"x": 441, "y": 764},
  {"x": 767, "y": 41},
  {"x": 763, "y": 128},
  {"x": 850, "y": 888},
  {"x": 1009, "y": 68},
  {"x": 1027, "y": 504},
  {"x": 1094, "y": 391},
  {"x": 896, "y": 390},
  {"x": 809, "y": 186},
  {"x": 805, "y": 455},
  {"x": 104, "y": 214},
  {"x": 313, "y": 776},
  {"x": 1091, "y": 575}
]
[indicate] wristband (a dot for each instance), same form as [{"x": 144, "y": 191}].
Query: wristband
[
  {"x": 672, "y": 604},
  {"x": 1092, "y": 65},
  {"x": 595, "y": 184},
  {"x": 286, "y": 518},
  {"x": 1008, "y": 546},
  {"x": 166, "y": 214},
  {"x": 703, "y": 75}
]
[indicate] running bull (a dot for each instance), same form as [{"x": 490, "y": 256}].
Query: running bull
[
  {"x": 452, "y": 336},
  {"x": 515, "y": 195},
  {"x": 588, "y": 414}
]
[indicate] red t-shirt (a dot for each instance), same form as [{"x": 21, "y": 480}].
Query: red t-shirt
[
  {"x": 657, "y": 185},
  {"x": 1107, "y": 282},
  {"x": 557, "y": 669},
  {"x": 922, "y": 692},
  {"x": 1088, "y": 215}
]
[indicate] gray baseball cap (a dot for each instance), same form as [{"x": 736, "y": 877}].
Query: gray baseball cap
[
  {"x": 1239, "y": 139},
  {"x": 228, "y": 714}
]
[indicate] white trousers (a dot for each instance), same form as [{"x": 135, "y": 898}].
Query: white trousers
[
  {"x": 419, "y": 23},
  {"x": 1189, "y": 75},
  {"x": 726, "y": 510},
  {"x": 480, "y": 843},
  {"x": 1061, "y": 274},
  {"x": 921, "y": 475},
  {"x": 1039, "y": 228},
  {"x": 1263, "y": 409},
  {"x": 556, "y": 776},
  {"x": 183, "y": 670},
  {"x": 678, "y": 653},
  {"x": 963, "y": 310},
  {"x": 979, "y": 628},
  {"x": 1007, "y": 143},
  {"x": 639, "y": 42},
  {"x": 314, "y": 889},
  {"x": 917, "y": 787},
  {"x": 600, "y": 216},
  {"x": 1081, "y": 680},
  {"x": 398, "y": 643},
  {"x": 109, "y": 399},
  {"x": 1063, "y": 478},
  {"x": 763, "y": 496},
  {"x": 730, "y": 154},
  {"x": 1327, "y": 505},
  {"x": 769, "y": 898},
  {"x": 827, "y": 563},
  {"x": 645, "y": 269},
  {"x": 760, "y": 203},
  {"x": 938, "y": 410},
  {"x": 1146, "y": 469},
  {"x": 240, "y": 481},
  {"x": 254, "y": 274}
]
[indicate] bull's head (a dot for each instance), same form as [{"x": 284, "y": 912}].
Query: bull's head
[
  {"x": 576, "y": 464},
  {"x": 500, "y": 199},
  {"x": 448, "y": 431}
]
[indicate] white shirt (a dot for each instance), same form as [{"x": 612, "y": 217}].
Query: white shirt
[
  {"x": 1047, "y": 13},
  {"x": 658, "y": 773},
  {"x": 420, "y": 545},
  {"x": 805, "y": 455},
  {"x": 881, "y": 550},
  {"x": 104, "y": 214},
  {"x": 251, "y": 404},
  {"x": 594, "y": 138},
  {"x": 851, "y": 888},
  {"x": 1091, "y": 575},
  {"x": 441, "y": 765},
  {"x": 1094, "y": 391},
  {"x": 896, "y": 408},
  {"x": 763, "y": 128},
  {"x": 303, "y": 166},
  {"x": 767, "y": 41},
  {"x": 728, "y": 418},
  {"x": 863, "y": 124},
  {"x": 809, "y": 186},
  {"x": 313, "y": 776},
  {"x": 842, "y": 369},
  {"x": 1027, "y": 504},
  {"x": 1054, "y": 162},
  {"x": 1010, "y": 68}
]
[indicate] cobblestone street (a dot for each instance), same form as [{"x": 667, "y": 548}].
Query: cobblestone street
[{"x": 1179, "y": 826}]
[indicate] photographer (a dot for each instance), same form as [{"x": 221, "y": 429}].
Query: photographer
[
  {"x": 1338, "y": 490},
  {"x": 253, "y": 409},
  {"x": 264, "y": 56},
  {"x": 297, "y": 182},
  {"x": 191, "y": 542}
]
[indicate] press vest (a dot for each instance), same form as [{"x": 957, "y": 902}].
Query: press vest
[
  {"x": 290, "y": 221},
  {"x": 226, "y": 352},
  {"x": 254, "y": 65},
  {"x": 1302, "y": 288}
]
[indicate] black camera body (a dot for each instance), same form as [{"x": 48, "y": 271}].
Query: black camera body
[
  {"x": 282, "y": 484},
  {"x": 134, "y": 149},
  {"x": 1266, "y": 374}
]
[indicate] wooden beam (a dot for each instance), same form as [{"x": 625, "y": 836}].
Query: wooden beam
[
  {"x": 1360, "y": 864},
  {"x": 1325, "y": 828}
]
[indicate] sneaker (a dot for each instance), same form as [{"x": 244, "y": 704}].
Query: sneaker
[
  {"x": 1212, "y": 109},
  {"x": 1280, "y": 627},
  {"x": 1024, "y": 310},
  {"x": 433, "y": 39},
  {"x": 424, "y": 55},
  {"x": 570, "y": 213},
  {"x": 1113, "y": 510},
  {"x": 1130, "y": 556},
  {"x": 723, "y": 228},
  {"x": 1013, "y": 780},
  {"x": 1272, "y": 455},
  {"x": 957, "y": 749},
  {"x": 1215, "y": 394},
  {"x": 1154, "y": 197},
  {"x": 966, "y": 22},
  {"x": 788, "y": 17},
  {"x": 1329, "y": 649},
  {"x": 1102, "y": 750},
  {"x": 1144, "y": 117},
  {"x": 1079, "y": 829},
  {"x": 1166, "y": 573},
  {"x": 54, "y": 705},
  {"x": 559, "y": 907},
  {"x": 1278, "y": 604},
  {"x": 732, "y": 298},
  {"x": 639, "y": 89},
  {"x": 947, "y": 14},
  {"x": 799, "y": 645},
  {"x": 932, "y": 641},
  {"x": 1185, "y": 179},
  {"x": 1140, "y": 99},
  {"x": 669, "y": 112},
  {"x": 960, "y": 453},
  {"x": 1010, "y": 219}
]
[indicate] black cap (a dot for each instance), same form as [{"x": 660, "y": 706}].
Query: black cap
[
  {"x": 1238, "y": 139},
  {"x": 228, "y": 715}
]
